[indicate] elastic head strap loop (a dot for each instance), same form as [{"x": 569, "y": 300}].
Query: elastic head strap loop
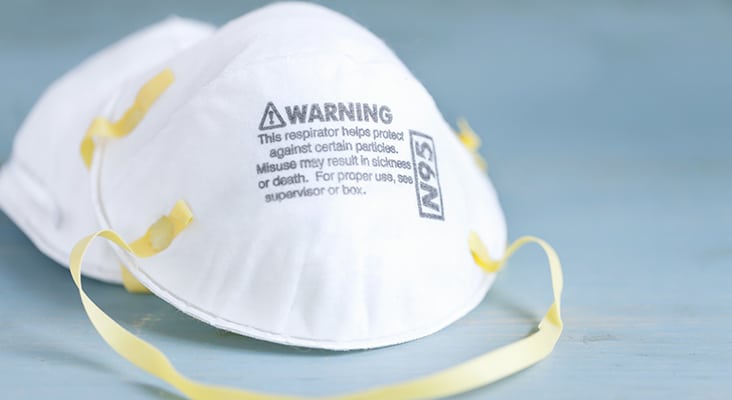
[
  {"x": 102, "y": 127},
  {"x": 483, "y": 259},
  {"x": 130, "y": 283},
  {"x": 469, "y": 375}
]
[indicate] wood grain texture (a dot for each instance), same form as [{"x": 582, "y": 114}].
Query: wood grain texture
[{"x": 607, "y": 130}]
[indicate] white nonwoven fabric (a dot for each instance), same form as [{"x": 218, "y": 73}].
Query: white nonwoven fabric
[
  {"x": 266, "y": 256},
  {"x": 44, "y": 186}
]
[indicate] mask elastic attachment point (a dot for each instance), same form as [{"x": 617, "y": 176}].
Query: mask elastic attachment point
[
  {"x": 160, "y": 234},
  {"x": 481, "y": 255},
  {"x": 157, "y": 238},
  {"x": 471, "y": 141}
]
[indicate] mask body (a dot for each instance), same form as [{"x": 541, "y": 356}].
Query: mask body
[
  {"x": 44, "y": 186},
  {"x": 332, "y": 202}
]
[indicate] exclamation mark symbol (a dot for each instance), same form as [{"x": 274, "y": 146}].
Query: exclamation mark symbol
[{"x": 271, "y": 118}]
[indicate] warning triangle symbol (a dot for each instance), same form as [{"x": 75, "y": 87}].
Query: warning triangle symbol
[{"x": 271, "y": 118}]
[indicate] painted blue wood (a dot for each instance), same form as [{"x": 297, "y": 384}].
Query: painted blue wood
[{"x": 607, "y": 129}]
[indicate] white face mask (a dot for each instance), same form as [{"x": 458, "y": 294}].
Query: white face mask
[
  {"x": 320, "y": 198},
  {"x": 44, "y": 185},
  {"x": 353, "y": 242}
]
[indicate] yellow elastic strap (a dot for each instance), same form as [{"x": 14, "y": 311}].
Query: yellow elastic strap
[
  {"x": 467, "y": 376},
  {"x": 157, "y": 238},
  {"x": 471, "y": 141},
  {"x": 102, "y": 127},
  {"x": 130, "y": 283}
]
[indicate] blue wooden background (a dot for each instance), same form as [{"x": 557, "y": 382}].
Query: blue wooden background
[{"x": 607, "y": 127}]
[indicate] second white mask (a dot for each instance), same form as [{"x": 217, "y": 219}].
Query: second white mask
[{"x": 44, "y": 186}]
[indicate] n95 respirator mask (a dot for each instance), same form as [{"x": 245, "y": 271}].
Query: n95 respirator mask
[
  {"x": 44, "y": 186},
  {"x": 290, "y": 180}
]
